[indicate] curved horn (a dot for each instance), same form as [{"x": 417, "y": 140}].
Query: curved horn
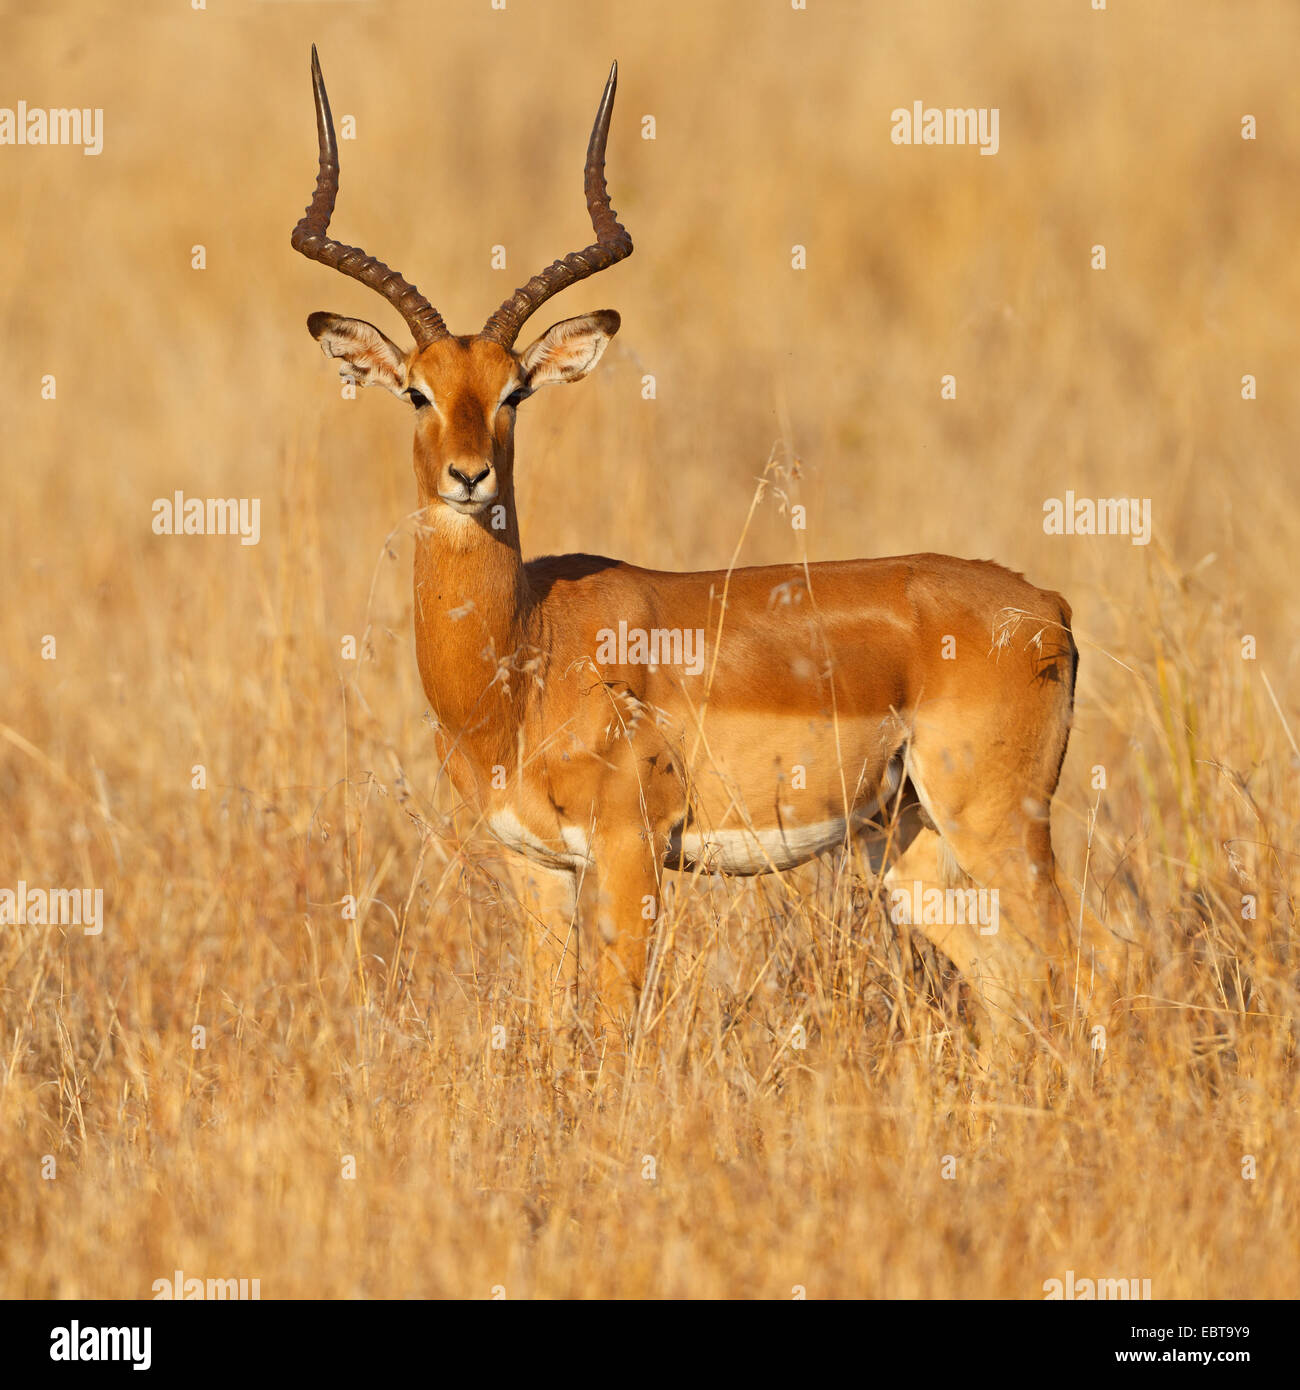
[
  {"x": 612, "y": 241},
  {"x": 309, "y": 236}
]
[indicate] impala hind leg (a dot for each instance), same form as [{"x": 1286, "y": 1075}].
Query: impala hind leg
[
  {"x": 1038, "y": 933},
  {"x": 1098, "y": 968},
  {"x": 922, "y": 883},
  {"x": 996, "y": 826},
  {"x": 1012, "y": 864}
]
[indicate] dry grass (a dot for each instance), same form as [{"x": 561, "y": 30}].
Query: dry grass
[{"x": 773, "y": 1166}]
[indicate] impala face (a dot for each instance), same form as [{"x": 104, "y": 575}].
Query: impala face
[
  {"x": 465, "y": 392},
  {"x": 465, "y": 396}
]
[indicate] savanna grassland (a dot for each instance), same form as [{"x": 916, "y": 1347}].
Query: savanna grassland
[{"x": 723, "y": 1160}]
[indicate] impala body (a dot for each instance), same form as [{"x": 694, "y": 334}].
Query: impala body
[{"x": 615, "y": 721}]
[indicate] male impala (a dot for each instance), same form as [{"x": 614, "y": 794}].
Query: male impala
[{"x": 623, "y": 721}]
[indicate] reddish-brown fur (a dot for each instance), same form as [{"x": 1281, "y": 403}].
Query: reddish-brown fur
[{"x": 921, "y": 703}]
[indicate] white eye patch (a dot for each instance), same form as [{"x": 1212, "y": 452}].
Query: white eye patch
[{"x": 421, "y": 396}]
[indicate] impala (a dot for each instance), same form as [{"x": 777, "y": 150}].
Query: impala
[{"x": 919, "y": 703}]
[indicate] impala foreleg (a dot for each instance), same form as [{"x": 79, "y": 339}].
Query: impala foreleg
[
  {"x": 627, "y": 907},
  {"x": 547, "y": 901}
]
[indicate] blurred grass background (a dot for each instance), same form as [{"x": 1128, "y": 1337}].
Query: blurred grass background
[{"x": 774, "y": 1166}]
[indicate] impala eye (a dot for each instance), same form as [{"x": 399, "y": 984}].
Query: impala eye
[
  {"x": 417, "y": 398},
  {"x": 513, "y": 399}
]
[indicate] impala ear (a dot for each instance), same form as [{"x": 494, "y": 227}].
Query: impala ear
[
  {"x": 568, "y": 350},
  {"x": 364, "y": 353}
]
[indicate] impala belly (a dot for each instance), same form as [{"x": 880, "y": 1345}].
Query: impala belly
[
  {"x": 752, "y": 851},
  {"x": 757, "y": 849},
  {"x": 514, "y": 834}
]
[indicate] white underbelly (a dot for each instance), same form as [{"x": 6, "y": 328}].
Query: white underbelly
[
  {"x": 760, "y": 849},
  {"x": 572, "y": 853},
  {"x": 754, "y": 851},
  {"x": 744, "y": 850}
]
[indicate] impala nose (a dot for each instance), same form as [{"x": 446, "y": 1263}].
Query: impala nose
[{"x": 469, "y": 483}]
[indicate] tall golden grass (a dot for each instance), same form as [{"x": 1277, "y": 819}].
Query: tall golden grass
[{"x": 725, "y": 1161}]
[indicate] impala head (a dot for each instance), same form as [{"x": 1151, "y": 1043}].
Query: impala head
[{"x": 464, "y": 389}]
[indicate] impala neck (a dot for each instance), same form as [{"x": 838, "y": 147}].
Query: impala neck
[{"x": 471, "y": 606}]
